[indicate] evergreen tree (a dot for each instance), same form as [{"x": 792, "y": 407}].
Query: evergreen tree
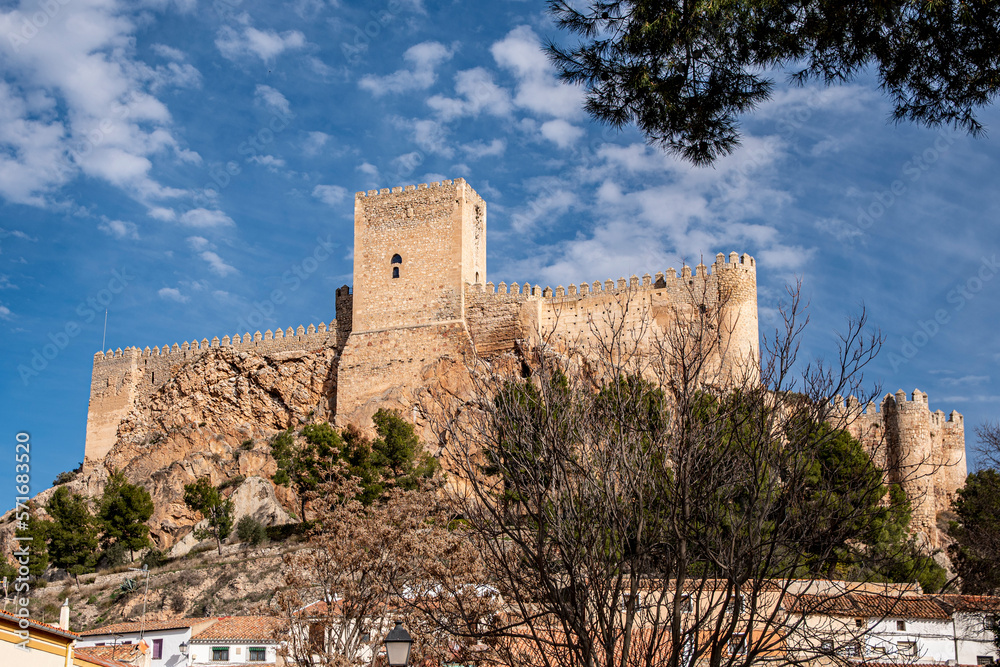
[
  {"x": 684, "y": 72},
  {"x": 72, "y": 534},
  {"x": 202, "y": 497},
  {"x": 976, "y": 551},
  {"x": 305, "y": 463},
  {"x": 123, "y": 513}
]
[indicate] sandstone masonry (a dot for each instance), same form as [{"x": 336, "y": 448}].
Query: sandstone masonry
[{"x": 421, "y": 296}]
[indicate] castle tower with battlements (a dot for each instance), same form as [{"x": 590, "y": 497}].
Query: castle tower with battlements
[{"x": 421, "y": 295}]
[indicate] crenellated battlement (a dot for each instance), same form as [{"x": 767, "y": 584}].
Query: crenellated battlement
[
  {"x": 923, "y": 450},
  {"x": 296, "y": 336},
  {"x": 408, "y": 188},
  {"x": 660, "y": 280}
]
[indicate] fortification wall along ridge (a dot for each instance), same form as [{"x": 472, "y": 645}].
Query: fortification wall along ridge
[
  {"x": 924, "y": 451},
  {"x": 421, "y": 296},
  {"x": 122, "y": 377}
]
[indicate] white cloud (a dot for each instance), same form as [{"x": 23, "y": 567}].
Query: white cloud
[
  {"x": 172, "y": 294},
  {"x": 264, "y": 44},
  {"x": 561, "y": 133},
  {"x": 964, "y": 380},
  {"x": 5, "y": 313},
  {"x": 198, "y": 243},
  {"x": 479, "y": 149},
  {"x": 272, "y": 100},
  {"x": 202, "y": 217},
  {"x": 161, "y": 213},
  {"x": 168, "y": 52},
  {"x": 476, "y": 92},
  {"x": 538, "y": 89},
  {"x": 315, "y": 142},
  {"x": 217, "y": 265},
  {"x": 272, "y": 163},
  {"x": 423, "y": 59},
  {"x": 431, "y": 136},
  {"x": 75, "y": 99},
  {"x": 368, "y": 168},
  {"x": 331, "y": 195},
  {"x": 120, "y": 229}
]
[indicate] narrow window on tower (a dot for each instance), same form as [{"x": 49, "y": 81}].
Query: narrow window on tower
[{"x": 397, "y": 262}]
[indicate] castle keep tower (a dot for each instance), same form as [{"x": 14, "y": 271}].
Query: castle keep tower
[{"x": 415, "y": 250}]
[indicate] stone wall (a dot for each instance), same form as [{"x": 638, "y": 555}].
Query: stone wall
[
  {"x": 121, "y": 377},
  {"x": 923, "y": 450},
  {"x": 498, "y": 315}
]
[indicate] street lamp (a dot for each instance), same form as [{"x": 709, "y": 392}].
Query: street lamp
[
  {"x": 184, "y": 646},
  {"x": 397, "y": 645}
]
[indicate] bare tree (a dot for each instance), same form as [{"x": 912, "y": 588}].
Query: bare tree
[
  {"x": 649, "y": 494},
  {"x": 989, "y": 444},
  {"x": 366, "y": 566}
]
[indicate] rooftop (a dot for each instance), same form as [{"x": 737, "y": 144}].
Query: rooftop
[
  {"x": 38, "y": 625},
  {"x": 135, "y": 626},
  {"x": 242, "y": 628}
]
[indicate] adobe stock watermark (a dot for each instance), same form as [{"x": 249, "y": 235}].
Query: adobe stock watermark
[
  {"x": 911, "y": 172},
  {"x": 363, "y": 36},
  {"x": 87, "y": 310},
  {"x": 22, "y": 554},
  {"x": 291, "y": 280},
  {"x": 958, "y": 296},
  {"x": 30, "y": 24},
  {"x": 252, "y": 147}
]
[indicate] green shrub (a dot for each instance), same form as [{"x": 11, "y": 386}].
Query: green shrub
[
  {"x": 115, "y": 555},
  {"x": 288, "y": 530},
  {"x": 232, "y": 481},
  {"x": 247, "y": 444},
  {"x": 154, "y": 558},
  {"x": 251, "y": 531},
  {"x": 92, "y": 599}
]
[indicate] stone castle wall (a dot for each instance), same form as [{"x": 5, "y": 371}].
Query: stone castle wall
[
  {"x": 121, "y": 378},
  {"x": 924, "y": 450},
  {"x": 391, "y": 331}
]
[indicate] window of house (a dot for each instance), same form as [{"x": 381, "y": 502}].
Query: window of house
[
  {"x": 317, "y": 637},
  {"x": 826, "y": 646},
  {"x": 901, "y": 626},
  {"x": 397, "y": 263},
  {"x": 859, "y": 622},
  {"x": 157, "y": 649},
  {"x": 735, "y": 605},
  {"x": 908, "y": 649},
  {"x": 257, "y": 654},
  {"x": 851, "y": 650},
  {"x": 984, "y": 659},
  {"x": 738, "y": 644},
  {"x": 687, "y": 604},
  {"x": 220, "y": 654}
]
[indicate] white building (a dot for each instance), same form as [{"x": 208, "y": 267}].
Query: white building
[
  {"x": 973, "y": 617},
  {"x": 169, "y": 641},
  {"x": 242, "y": 640}
]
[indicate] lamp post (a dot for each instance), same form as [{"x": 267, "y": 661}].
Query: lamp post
[{"x": 397, "y": 646}]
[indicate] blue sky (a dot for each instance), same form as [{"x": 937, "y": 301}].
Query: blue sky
[{"x": 176, "y": 163}]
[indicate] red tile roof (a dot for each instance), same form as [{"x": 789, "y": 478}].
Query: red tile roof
[
  {"x": 38, "y": 625},
  {"x": 969, "y": 603},
  {"x": 123, "y": 655},
  {"x": 867, "y": 606},
  {"x": 135, "y": 626},
  {"x": 242, "y": 628}
]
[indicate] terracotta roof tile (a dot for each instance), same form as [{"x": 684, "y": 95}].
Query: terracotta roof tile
[
  {"x": 38, "y": 625},
  {"x": 234, "y": 628},
  {"x": 123, "y": 655},
  {"x": 135, "y": 626},
  {"x": 867, "y": 606},
  {"x": 970, "y": 603}
]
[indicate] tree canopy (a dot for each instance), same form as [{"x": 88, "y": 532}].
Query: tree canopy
[
  {"x": 123, "y": 513},
  {"x": 684, "y": 72},
  {"x": 72, "y": 534},
  {"x": 976, "y": 550},
  {"x": 202, "y": 496}
]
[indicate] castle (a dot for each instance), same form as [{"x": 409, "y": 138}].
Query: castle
[{"x": 421, "y": 295}]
